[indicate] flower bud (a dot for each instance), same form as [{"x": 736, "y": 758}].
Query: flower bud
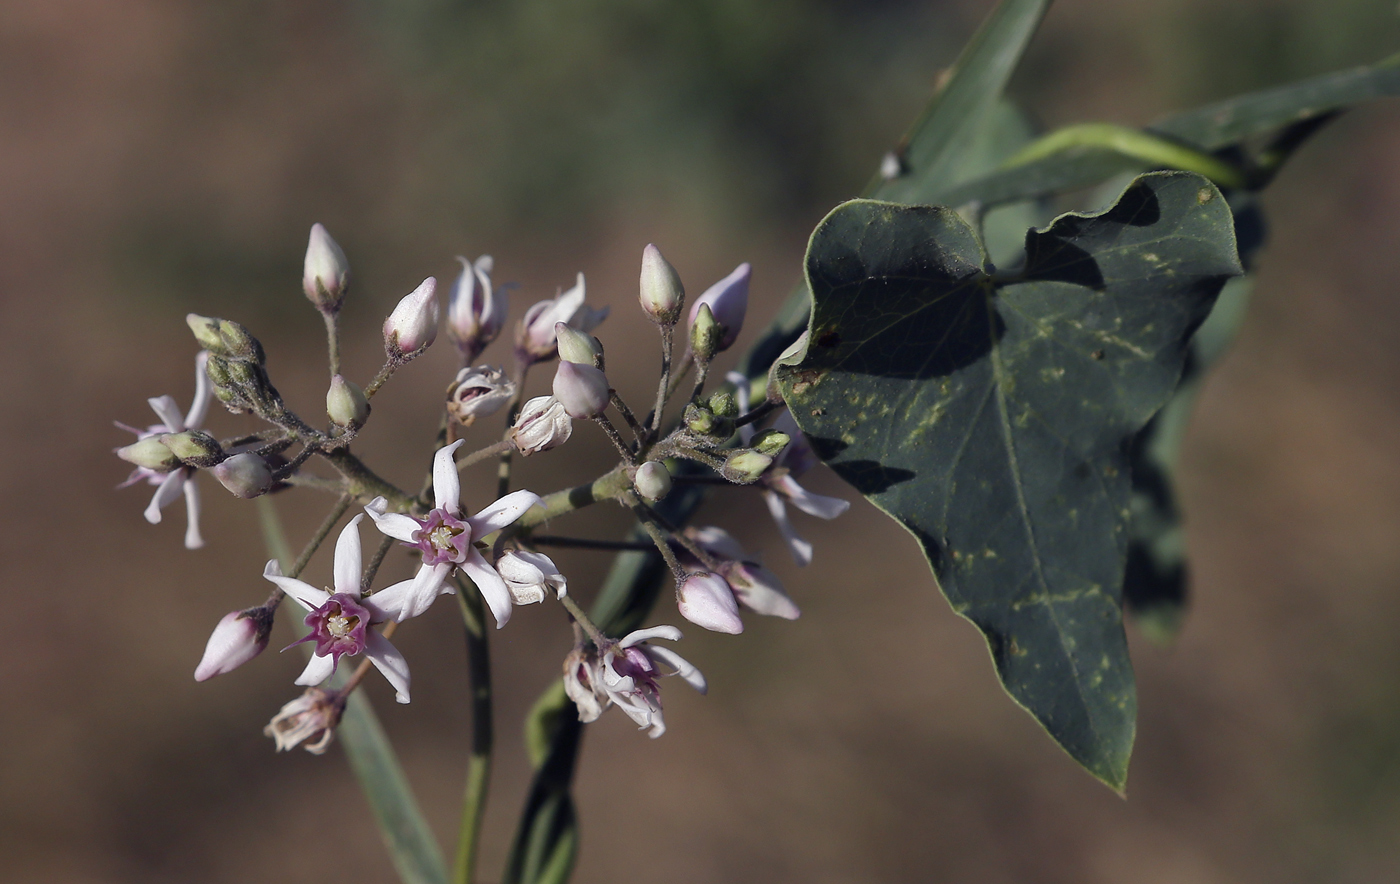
[
  {"x": 770, "y": 442},
  {"x": 745, "y": 466},
  {"x": 530, "y": 576},
  {"x": 728, "y": 300},
  {"x": 246, "y": 475},
  {"x": 325, "y": 273},
  {"x": 478, "y": 392},
  {"x": 150, "y": 453},
  {"x": 193, "y": 447},
  {"x": 724, "y": 403},
  {"x": 226, "y": 338},
  {"x": 346, "y": 404},
  {"x": 759, "y": 590},
  {"x": 542, "y": 424},
  {"x": 699, "y": 419},
  {"x": 578, "y": 346},
  {"x": 705, "y": 334},
  {"x": 653, "y": 480},
  {"x": 582, "y": 389},
  {"x": 239, "y": 637},
  {"x": 661, "y": 291},
  {"x": 706, "y": 600},
  {"x": 475, "y": 314},
  {"x": 413, "y": 325}
]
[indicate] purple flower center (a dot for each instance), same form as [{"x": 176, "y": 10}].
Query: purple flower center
[
  {"x": 338, "y": 627},
  {"x": 635, "y": 664},
  {"x": 443, "y": 538}
]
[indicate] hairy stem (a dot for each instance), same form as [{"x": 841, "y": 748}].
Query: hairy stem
[{"x": 333, "y": 340}]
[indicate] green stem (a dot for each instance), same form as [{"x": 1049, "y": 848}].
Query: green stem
[
  {"x": 606, "y": 487},
  {"x": 1134, "y": 144},
  {"x": 664, "y": 387},
  {"x": 479, "y": 761},
  {"x": 333, "y": 341},
  {"x": 362, "y": 483}
]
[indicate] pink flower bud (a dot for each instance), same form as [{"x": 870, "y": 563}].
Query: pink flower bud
[
  {"x": 325, "y": 274},
  {"x": 239, "y": 637},
  {"x": 475, "y": 314},
  {"x": 542, "y": 424},
  {"x": 705, "y": 599},
  {"x": 413, "y": 325},
  {"x": 728, "y": 300},
  {"x": 582, "y": 389},
  {"x": 246, "y": 475},
  {"x": 661, "y": 291}
]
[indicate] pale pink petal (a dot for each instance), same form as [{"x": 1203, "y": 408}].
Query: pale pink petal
[
  {"x": 169, "y": 413},
  {"x": 741, "y": 394},
  {"x": 388, "y": 603},
  {"x": 395, "y": 525},
  {"x": 317, "y": 670},
  {"x": 502, "y": 513},
  {"x": 347, "y": 559},
  {"x": 801, "y": 550},
  {"x": 428, "y": 583},
  {"x": 447, "y": 488},
  {"x": 638, "y": 636},
  {"x": 305, "y": 594},
  {"x": 203, "y": 392},
  {"x": 812, "y": 504},
  {"x": 170, "y": 488},
  {"x": 387, "y": 659},
  {"x": 193, "y": 540},
  {"x": 493, "y": 588},
  {"x": 683, "y": 667}
]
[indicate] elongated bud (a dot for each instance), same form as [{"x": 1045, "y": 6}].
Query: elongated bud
[
  {"x": 542, "y": 424},
  {"x": 246, "y": 475},
  {"x": 530, "y": 576},
  {"x": 744, "y": 467},
  {"x": 582, "y": 389},
  {"x": 150, "y": 453},
  {"x": 475, "y": 313},
  {"x": 413, "y": 325},
  {"x": 325, "y": 273},
  {"x": 728, "y": 301},
  {"x": 705, "y": 334},
  {"x": 578, "y": 346},
  {"x": 346, "y": 404},
  {"x": 478, "y": 392},
  {"x": 653, "y": 480},
  {"x": 770, "y": 442},
  {"x": 705, "y": 599},
  {"x": 662, "y": 294},
  {"x": 226, "y": 338},
  {"x": 759, "y": 589},
  {"x": 196, "y": 448},
  {"x": 239, "y": 637}
]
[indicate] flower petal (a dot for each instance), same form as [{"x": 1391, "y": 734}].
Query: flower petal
[
  {"x": 203, "y": 392},
  {"x": 388, "y": 603},
  {"x": 387, "y": 659},
  {"x": 637, "y": 636},
  {"x": 427, "y": 585},
  {"x": 493, "y": 588},
  {"x": 193, "y": 540},
  {"x": 683, "y": 667},
  {"x": 447, "y": 488},
  {"x": 503, "y": 512},
  {"x": 395, "y": 525},
  {"x": 170, "y": 488},
  {"x": 306, "y": 595},
  {"x": 741, "y": 394},
  {"x": 801, "y": 550},
  {"x": 168, "y": 412},
  {"x": 812, "y": 504},
  {"x": 317, "y": 670},
  {"x": 347, "y": 559}
]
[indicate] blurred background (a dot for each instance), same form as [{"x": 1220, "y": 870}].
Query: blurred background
[{"x": 161, "y": 157}]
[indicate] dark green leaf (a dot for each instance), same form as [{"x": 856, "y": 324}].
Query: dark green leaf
[{"x": 992, "y": 417}]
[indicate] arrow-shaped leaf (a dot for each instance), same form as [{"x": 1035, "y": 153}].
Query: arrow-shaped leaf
[{"x": 991, "y": 417}]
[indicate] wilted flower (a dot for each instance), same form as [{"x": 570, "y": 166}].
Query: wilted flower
[
  {"x": 172, "y": 483},
  {"x": 477, "y": 392},
  {"x": 626, "y": 675},
  {"x": 314, "y": 714},
  {"x": 754, "y": 586},
  {"x": 239, "y": 637},
  {"x": 445, "y": 539},
  {"x": 340, "y": 621},
  {"x": 530, "y": 576},
  {"x": 535, "y": 340},
  {"x": 475, "y": 313},
  {"x": 541, "y": 425},
  {"x": 413, "y": 325}
]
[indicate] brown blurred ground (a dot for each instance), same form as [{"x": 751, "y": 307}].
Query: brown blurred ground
[{"x": 159, "y": 157}]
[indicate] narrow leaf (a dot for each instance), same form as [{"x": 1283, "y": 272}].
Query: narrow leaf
[{"x": 992, "y": 417}]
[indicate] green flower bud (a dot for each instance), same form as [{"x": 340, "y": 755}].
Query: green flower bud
[
  {"x": 770, "y": 442},
  {"x": 150, "y": 453},
  {"x": 578, "y": 346},
  {"x": 699, "y": 419},
  {"x": 744, "y": 467},
  {"x": 705, "y": 335},
  {"x": 224, "y": 337},
  {"x": 195, "y": 448},
  {"x": 346, "y": 403},
  {"x": 724, "y": 403}
]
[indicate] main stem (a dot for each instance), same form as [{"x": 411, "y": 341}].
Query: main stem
[{"x": 479, "y": 761}]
